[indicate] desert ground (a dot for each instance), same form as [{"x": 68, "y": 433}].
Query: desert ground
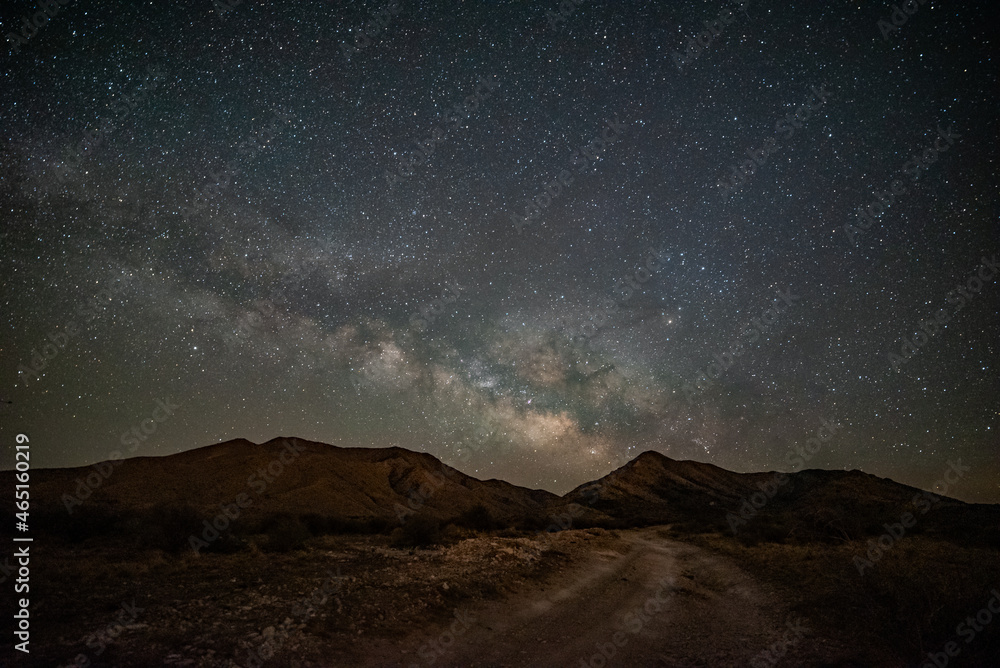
[{"x": 580, "y": 597}]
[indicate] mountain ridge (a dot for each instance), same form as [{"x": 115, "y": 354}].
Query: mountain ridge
[{"x": 293, "y": 476}]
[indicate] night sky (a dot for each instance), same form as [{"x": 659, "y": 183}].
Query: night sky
[{"x": 529, "y": 238}]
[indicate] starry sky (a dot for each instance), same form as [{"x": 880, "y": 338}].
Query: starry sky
[{"x": 531, "y": 238}]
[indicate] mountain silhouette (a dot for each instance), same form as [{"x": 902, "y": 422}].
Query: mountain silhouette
[{"x": 297, "y": 477}]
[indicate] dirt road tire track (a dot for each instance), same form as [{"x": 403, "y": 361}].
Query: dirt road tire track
[{"x": 671, "y": 604}]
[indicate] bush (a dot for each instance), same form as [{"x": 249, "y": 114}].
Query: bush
[
  {"x": 452, "y": 533},
  {"x": 326, "y": 525},
  {"x": 157, "y": 528},
  {"x": 285, "y": 533},
  {"x": 226, "y": 543},
  {"x": 763, "y": 530},
  {"x": 87, "y": 521},
  {"x": 418, "y": 531},
  {"x": 477, "y": 518},
  {"x": 374, "y": 525},
  {"x": 165, "y": 528},
  {"x": 532, "y": 523}
]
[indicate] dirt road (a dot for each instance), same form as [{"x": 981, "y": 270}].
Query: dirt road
[{"x": 643, "y": 600}]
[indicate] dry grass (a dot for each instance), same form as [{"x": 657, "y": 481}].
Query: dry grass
[
  {"x": 906, "y": 605},
  {"x": 222, "y": 603}
]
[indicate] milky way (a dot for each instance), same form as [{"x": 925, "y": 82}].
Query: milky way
[{"x": 533, "y": 239}]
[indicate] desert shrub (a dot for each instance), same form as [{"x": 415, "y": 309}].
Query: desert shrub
[
  {"x": 374, "y": 525},
  {"x": 477, "y": 518},
  {"x": 749, "y": 535},
  {"x": 159, "y": 528},
  {"x": 87, "y": 521},
  {"x": 164, "y": 528},
  {"x": 417, "y": 531},
  {"x": 533, "y": 523},
  {"x": 326, "y": 525},
  {"x": 452, "y": 533},
  {"x": 227, "y": 543},
  {"x": 763, "y": 530},
  {"x": 859, "y": 522},
  {"x": 831, "y": 526},
  {"x": 316, "y": 524},
  {"x": 285, "y": 533},
  {"x": 774, "y": 532}
]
